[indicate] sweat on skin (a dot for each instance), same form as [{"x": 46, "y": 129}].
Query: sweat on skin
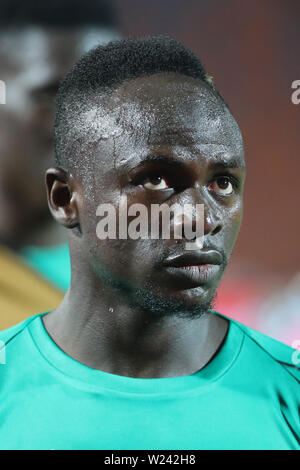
[{"x": 160, "y": 326}]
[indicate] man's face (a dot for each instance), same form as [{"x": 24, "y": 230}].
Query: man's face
[
  {"x": 33, "y": 61},
  {"x": 167, "y": 139}
]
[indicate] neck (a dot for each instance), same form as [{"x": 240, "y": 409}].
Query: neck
[{"x": 96, "y": 326}]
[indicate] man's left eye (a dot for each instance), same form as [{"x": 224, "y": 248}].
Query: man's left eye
[
  {"x": 222, "y": 185},
  {"x": 155, "y": 182}
]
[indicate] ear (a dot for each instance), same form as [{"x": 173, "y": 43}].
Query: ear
[{"x": 62, "y": 197}]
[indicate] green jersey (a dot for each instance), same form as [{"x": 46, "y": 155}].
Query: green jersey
[{"x": 246, "y": 397}]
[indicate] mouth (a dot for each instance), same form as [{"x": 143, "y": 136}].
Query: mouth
[{"x": 195, "y": 268}]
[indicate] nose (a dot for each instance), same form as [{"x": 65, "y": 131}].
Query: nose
[
  {"x": 212, "y": 224},
  {"x": 197, "y": 210}
]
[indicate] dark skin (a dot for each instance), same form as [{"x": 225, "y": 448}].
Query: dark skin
[{"x": 167, "y": 138}]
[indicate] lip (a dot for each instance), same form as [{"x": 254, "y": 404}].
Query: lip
[
  {"x": 195, "y": 268},
  {"x": 194, "y": 258}
]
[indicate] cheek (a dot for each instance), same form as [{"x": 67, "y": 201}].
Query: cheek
[
  {"x": 236, "y": 214},
  {"x": 122, "y": 258},
  {"x": 232, "y": 223},
  {"x": 128, "y": 260}
]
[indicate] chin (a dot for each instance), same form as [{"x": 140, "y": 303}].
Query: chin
[{"x": 192, "y": 303}]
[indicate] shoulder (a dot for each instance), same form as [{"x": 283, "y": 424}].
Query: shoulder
[
  {"x": 6, "y": 336},
  {"x": 278, "y": 352}
]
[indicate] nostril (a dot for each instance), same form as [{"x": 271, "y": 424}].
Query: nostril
[{"x": 216, "y": 230}]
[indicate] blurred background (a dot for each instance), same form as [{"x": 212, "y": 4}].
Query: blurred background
[{"x": 251, "y": 48}]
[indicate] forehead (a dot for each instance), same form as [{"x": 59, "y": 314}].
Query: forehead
[
  {"x": 166, "y": 111},
  {"x": 173, "y": 100}
]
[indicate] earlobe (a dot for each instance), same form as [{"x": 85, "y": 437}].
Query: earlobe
[{"x": 61, "y": 197}]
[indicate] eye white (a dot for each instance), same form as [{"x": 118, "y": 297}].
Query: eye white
[
  {"x": 162, "y": 184},
  {"x": 223, "y": 191}
]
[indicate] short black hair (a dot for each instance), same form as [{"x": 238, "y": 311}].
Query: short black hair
[
  {"x": 104, "y": 68},
  {"x": 57, "y": 13}
]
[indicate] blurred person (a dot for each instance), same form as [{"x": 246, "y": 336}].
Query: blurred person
[
  {"x": 39, "y": 41},
  {"x": 134, "y": 357},
  {"x": 279, "y": 312}
]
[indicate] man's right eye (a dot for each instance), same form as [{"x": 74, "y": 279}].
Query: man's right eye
[{"x": 155, "y": 183}]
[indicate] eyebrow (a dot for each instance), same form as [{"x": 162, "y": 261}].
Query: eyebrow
[
  {"x": 168, "y": 160},
  {"x": 230, "y": 163},
  {"x": 165, "y": 159}
]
